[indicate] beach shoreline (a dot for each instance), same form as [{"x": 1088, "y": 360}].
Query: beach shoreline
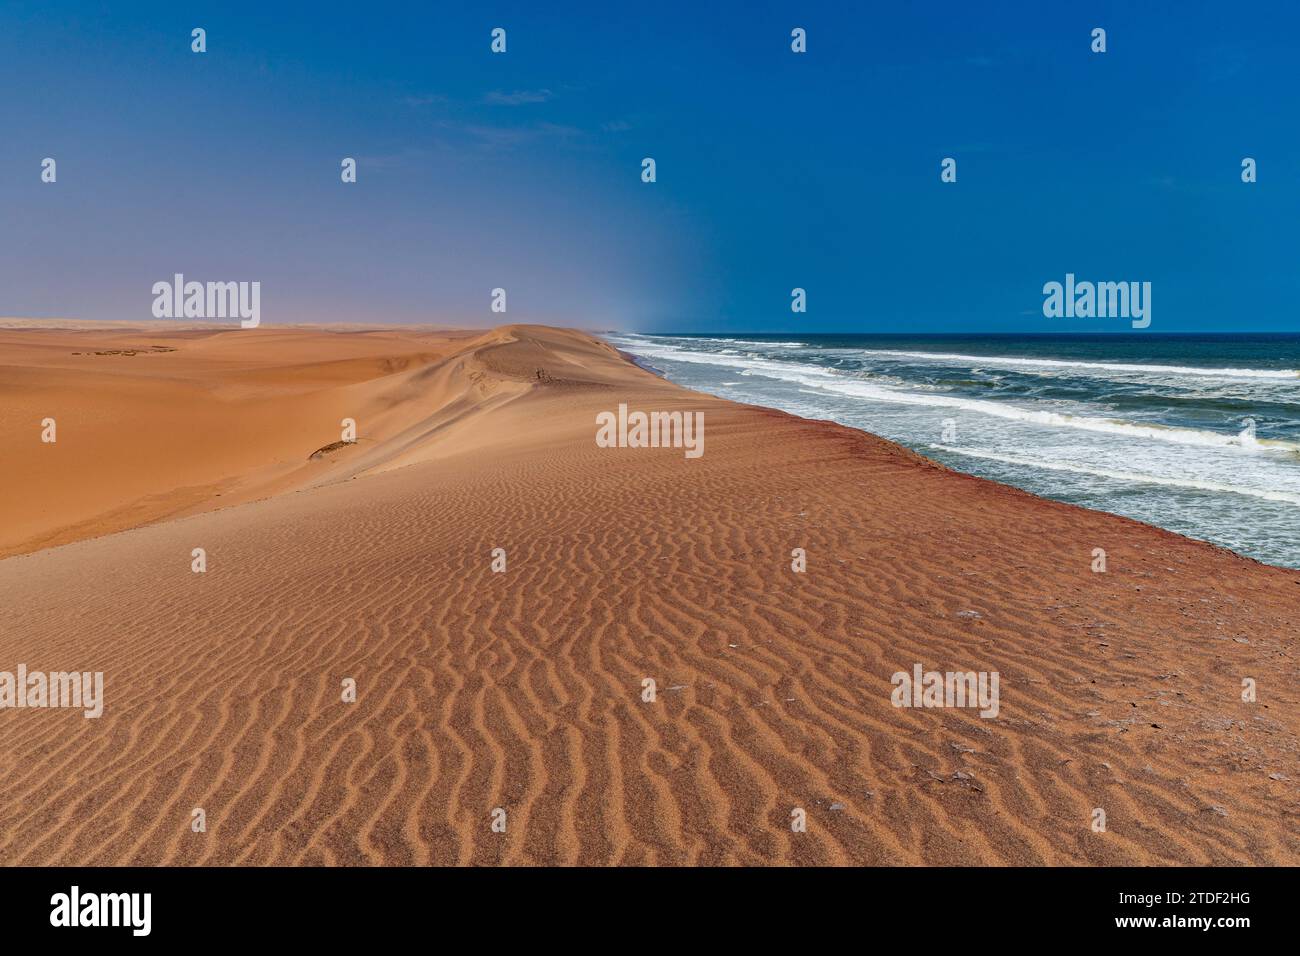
[{"x": 1185, "y": 432}]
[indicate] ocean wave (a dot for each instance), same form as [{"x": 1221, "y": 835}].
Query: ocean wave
[
  {"x": 837, "y": 382},
  {"x": 1196, "y": 484},
  {"x": 1009, "y": 361}
]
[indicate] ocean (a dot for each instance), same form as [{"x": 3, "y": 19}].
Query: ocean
[{"x": 1199, "y": 434}]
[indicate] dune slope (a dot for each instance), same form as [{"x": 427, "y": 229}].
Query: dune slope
[{"x": 523, "y": 690}]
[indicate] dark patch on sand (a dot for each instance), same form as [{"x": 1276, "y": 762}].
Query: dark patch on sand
[{"x": 332, "y": 446}]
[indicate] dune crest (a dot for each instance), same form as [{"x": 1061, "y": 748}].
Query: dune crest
[{"x": 177, "y": 421}]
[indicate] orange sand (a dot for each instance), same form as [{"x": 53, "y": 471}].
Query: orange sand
[{"x": 523, "y": 690}]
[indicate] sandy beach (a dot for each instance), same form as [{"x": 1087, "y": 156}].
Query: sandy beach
[{"x": 500, "y": 715}]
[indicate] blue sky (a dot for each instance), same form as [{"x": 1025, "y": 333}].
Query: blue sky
[{"x": 775, "y": 170}]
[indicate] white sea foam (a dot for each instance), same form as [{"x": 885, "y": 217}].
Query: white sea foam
[
  {"x": 1196, "y": 484},
  {"x": 1016, "y": 361},
  {"x": 837, "y": 382},
  {"x": 1175, "y": 472},
  {"x": 1008, "y": 361}
]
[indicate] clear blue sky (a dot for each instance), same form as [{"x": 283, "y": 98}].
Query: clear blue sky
[{"x": 775, "y": 170}]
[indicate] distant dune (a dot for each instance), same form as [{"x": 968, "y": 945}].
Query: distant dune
[{"x": 522, "y": 690}]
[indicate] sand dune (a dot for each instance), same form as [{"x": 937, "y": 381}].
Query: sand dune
[
  {"x": 522, "y": 690},
  {"x": 216, "y": 420}
]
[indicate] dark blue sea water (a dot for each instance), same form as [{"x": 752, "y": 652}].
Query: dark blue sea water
[{"x": 1199, "y": 434}]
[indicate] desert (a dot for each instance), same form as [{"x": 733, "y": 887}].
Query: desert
[{"x": 513, "y": 691}]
